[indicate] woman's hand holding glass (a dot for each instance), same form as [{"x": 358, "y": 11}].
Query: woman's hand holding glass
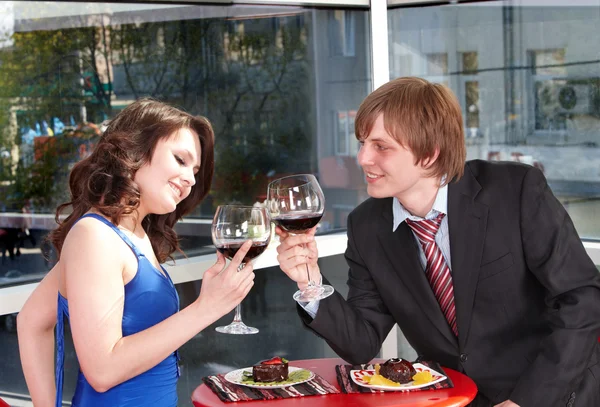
[
  {"x": 295, "y": 253},
  {"x": 234, "y": 225},
  {"x": 223, "y": 288}
]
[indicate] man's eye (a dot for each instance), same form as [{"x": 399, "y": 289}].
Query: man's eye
[{"x": 380, "y": 147}]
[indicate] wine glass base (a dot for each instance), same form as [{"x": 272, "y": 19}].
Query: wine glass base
[
  {"x": 237, "y": 328},
  {"x": 313, "y": 293}
]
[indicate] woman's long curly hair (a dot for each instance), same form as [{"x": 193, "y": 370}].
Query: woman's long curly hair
[{"x": 104, "y": 180}]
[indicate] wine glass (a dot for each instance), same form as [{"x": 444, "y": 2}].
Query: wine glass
[
  {"x": 232, "y": 226},
  {"x": 296, "y": 204}
]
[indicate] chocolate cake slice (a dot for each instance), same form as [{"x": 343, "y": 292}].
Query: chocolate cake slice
[
  {"x": 272, "y": 370},
  {"x": 397, "y": 370}
]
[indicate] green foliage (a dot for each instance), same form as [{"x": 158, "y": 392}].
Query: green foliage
[
  {"x": 44, "y": 182},
  {"x": 249, "y": 77},
  {"x": 39, "y": 69},
  {"x": 262, "y": 116}
]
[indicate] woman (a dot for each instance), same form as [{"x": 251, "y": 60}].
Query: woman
[{"x": 152, "y": 165}]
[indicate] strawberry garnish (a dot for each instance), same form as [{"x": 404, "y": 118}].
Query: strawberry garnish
[{"x": 277, "y": 360}]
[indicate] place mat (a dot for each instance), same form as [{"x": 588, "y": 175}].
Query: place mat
[
  {"x": 229, "y": 392},
  {"x": 348, "y": 386}
]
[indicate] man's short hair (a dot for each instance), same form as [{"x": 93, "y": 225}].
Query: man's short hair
[{"x": 421, "y": 116}]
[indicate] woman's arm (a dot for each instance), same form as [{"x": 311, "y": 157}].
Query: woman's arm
[
  {"x": 93, "y": 262},
  {"x": 35, "y": 325}
]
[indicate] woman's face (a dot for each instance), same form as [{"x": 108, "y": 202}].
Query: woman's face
[{"x": 168, "y": 178}]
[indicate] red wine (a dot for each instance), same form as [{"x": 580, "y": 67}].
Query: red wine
[
  {"x": 230, "y": 249},
  {"x": 297, "y": 223}
]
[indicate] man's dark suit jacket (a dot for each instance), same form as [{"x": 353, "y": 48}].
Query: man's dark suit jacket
[{"x": 527, "y": 295}]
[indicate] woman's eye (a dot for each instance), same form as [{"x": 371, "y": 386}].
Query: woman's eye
[
  {"x": 380, "y": 147},
  {"x": 179, "y": 160}
]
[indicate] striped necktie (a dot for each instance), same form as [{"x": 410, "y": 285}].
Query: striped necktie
[{"x": 438, "y": 272}]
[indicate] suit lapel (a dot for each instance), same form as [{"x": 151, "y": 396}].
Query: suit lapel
[
  {"x": 467, "y": 222},
  {"x": 403, "y": 254}
]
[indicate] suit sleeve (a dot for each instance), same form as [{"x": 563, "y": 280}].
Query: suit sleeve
[
  {"x": 356, "y": 328},
  {"x": 555, "y": 255}
]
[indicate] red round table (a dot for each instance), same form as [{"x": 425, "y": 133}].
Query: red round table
[{"x": 461, "y": 394}]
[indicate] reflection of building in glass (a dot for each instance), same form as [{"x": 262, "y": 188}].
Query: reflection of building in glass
[
  {"x": 342, "y": 79},
  {"x": 6, "y": 23},
  {"x": 528, "y": 80},
  {"x": 346, "y": 143},
  {"x": 342, "y": 38},
  {"x": 256, "y": 72},
  {"x": 470, "y": 89}
]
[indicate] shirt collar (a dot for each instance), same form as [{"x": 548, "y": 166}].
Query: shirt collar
[{"x": 440, "y": 205}]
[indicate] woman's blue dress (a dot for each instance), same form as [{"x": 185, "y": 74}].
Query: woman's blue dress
[{"x": 150, "y": 297}]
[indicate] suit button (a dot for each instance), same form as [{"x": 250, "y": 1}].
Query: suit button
[
  {"x": 570, "y": 403},
  {"x": 463, "y": 357},
  {"x": 573, "y": 395}
]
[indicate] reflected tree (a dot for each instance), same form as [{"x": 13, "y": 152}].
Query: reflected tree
[
  {"x": 48, "y": 74},
  {"x": 249, "y": 77},
  {"x": 262, "y": 110}
]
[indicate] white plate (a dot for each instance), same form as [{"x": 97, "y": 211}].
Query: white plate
[
  {"x": 236, "y": 377},
  {"x": 358, "y": 378}
]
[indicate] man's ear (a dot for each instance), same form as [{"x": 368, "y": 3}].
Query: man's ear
[{"x": 429, "y": 161}]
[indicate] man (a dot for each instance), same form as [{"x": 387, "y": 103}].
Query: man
[{"x": 477, "y": 262}]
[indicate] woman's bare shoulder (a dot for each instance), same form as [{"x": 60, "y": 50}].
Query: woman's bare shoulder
[{"x": 93, "y": 237}]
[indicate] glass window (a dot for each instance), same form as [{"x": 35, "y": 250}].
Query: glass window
[
  {"x": 264, "y": 76},
  {"x": 528, "y": 80},
  {"x": 342, "y": 132},
  {"x": 347, "y": 143},
  {"x": 561, "y": 100},
  {"x": 437, "y": 64},
  {"x": 470, "y": 102},
  {"x": 341, "y": 29},
  {"x": 470, "y": 62}
]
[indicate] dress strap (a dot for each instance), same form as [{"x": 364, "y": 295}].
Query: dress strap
[
  {"x": 61, "y": 310},
  {"x": 118, "y": 231}
]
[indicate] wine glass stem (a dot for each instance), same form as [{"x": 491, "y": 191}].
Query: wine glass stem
[
  {"x": 311, "y": 283},
  {"x": 238, "y": 313},
  {"x": 237, "y": 317}
]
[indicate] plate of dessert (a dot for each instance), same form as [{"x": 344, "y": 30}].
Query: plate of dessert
[
  {"x": 396, "y": 375},
  {"x": 273, "y": 373}
]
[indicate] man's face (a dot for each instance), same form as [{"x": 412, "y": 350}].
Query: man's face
[{"x": 389, "y": 167}]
